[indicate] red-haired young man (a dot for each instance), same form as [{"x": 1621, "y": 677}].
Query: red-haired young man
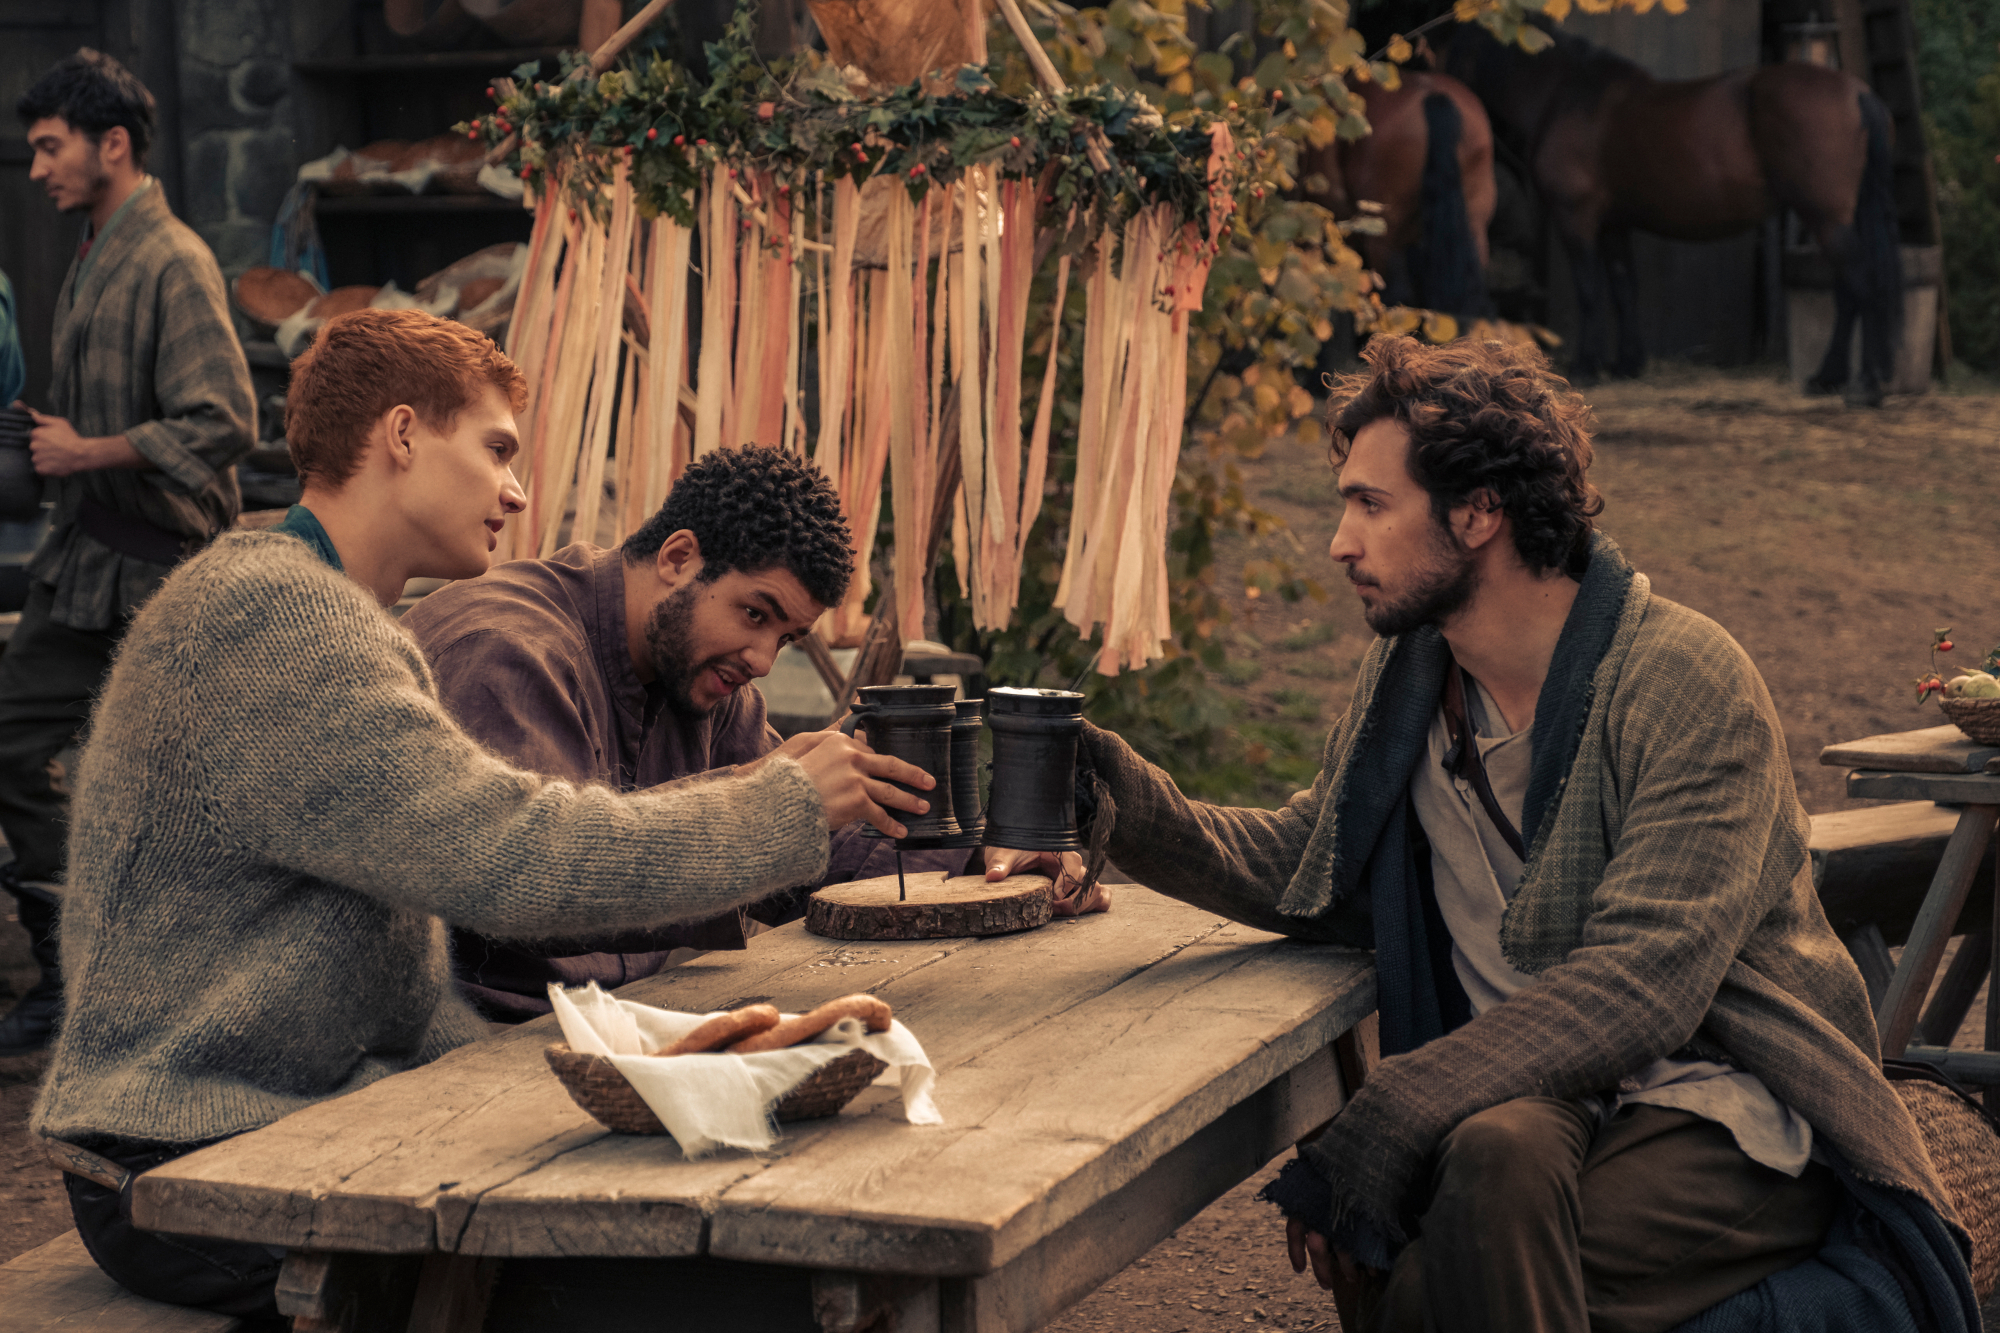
[{"x": 276, "y": 821}]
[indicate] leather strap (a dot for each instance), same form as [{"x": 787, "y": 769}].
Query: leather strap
[
  {"x": 1463, "y": 760},
  {"x": 128, "y": 535}
]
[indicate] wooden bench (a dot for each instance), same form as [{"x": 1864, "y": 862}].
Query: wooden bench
[
  {"x": 1872, "y": 865},
  {"x": 59, "y": 1286}
]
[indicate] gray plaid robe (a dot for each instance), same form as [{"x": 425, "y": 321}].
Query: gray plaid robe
[
  {"x": 144, "y": 347},
  {"x": 1666, "y": 899}
]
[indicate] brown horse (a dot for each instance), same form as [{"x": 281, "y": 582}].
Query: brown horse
[
  {"x": 1613, "y": 149},
  {"x": 1428, "y": 161}
]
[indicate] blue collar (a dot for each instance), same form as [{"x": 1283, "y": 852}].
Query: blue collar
[{"x": 299, "y": 522}]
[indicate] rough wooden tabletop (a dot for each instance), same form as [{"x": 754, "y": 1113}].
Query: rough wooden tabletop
[
  {"x": 1943, "y": 749},
  {"x": 1070, "y": 1059}
]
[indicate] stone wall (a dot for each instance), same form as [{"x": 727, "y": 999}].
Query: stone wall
[{"x": 237, "y": 122}]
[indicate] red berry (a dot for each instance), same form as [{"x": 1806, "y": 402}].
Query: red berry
[
  {"x": 1014, "y": 142},
  {"x": 679, "y": 139},
  {"x": 472, "y": 134},
  {"x": 652, "y": 134},
  {"x": 489, "y": 90},
  {"x": 701, "y": 143},
  {"x": 1944, "y": 645},
  {"x": 527, "y": 172}
]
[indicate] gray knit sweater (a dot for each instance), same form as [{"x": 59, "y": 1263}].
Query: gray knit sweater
[{"x": 273, "y": 821}]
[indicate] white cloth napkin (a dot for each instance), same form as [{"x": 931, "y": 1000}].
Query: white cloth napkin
[{"x": 722, "y": 1100}]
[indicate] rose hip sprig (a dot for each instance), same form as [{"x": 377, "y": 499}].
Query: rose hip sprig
[{"x": 1932, "y": 682}]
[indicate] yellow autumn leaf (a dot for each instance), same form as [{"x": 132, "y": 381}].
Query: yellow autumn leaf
[
  {"x": 1465, "y": 11},
  {"x": 1674, "y": 6},
  {"x": 1439, "y": 327},
  {"x": 1557, "y": 9},
  {"x": 1181, "y": 83},
  {"x": 1397, "y": 321},
  {"x": 1300, "y": 402},
  {"x": 1399, "y": 49}
]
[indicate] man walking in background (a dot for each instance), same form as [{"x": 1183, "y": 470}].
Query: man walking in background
[{"x": 150, "y": 406}]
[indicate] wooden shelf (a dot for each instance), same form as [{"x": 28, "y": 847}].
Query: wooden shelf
[
  {"x": 416, "y": 203},
  {"x": 429, "y": 61}
]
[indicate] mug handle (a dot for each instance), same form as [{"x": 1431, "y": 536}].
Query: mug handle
[{"x": 855, "y": 717}]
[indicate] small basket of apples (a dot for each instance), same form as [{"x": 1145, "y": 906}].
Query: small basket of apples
[{"x": 1971, "y": 699}]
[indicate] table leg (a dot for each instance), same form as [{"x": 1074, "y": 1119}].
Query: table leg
[
  {"x": 1993, "y": 990},
  {"x": 1945, "y": 1014},
  {"x": 1896, "y": 1018},
  {"x": 347, "y": 1293},
  {"x": 453, "y": 1293},
  {"x": 874, "y": 1303}
]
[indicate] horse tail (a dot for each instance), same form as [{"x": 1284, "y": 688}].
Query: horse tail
[
  {"x": 1880, "y": 258},
  {"x": 1447, "y": 270}
]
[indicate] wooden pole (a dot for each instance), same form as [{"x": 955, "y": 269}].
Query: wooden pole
[
  {"x": 600, "y": 60},
  {"x": 1045, "y": 71},
  {"x": 614, "y": 45}
]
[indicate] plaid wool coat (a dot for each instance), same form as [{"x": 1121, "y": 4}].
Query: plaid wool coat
[
  {"x": 1666, "y": 901},
  {"x": 144, "y": 347}
]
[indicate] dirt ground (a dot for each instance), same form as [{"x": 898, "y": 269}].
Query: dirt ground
[{"x": 1828, "y": 541}]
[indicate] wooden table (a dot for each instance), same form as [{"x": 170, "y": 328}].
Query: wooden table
[
  {"x": 1101, "y": 1079},
  {"x": 1938, "y": 764}
]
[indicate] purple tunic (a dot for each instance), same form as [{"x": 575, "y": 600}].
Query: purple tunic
[{"x": 532, "y": 660}]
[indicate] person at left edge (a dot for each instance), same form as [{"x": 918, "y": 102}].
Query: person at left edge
[{"x": 149, "y": 407}]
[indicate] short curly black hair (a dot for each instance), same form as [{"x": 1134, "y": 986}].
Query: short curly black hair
[
  {"x": 1484, "y": 416},
  {"x": 92, "y": 92},
  {"x": 753, "y": 508}
]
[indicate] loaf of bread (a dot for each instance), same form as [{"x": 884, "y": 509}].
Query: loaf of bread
[{"x": 804, "y": 1027}]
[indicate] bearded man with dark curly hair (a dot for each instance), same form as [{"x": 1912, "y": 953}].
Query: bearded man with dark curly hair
[
  {"x": 632, "y": 668},
  {"x": 1631, "y": 1077}
]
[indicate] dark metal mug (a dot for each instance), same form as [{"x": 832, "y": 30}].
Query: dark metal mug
[
  {"x": 914, "y": 723},
  {"x": 965, "y": 729},
  {"x": 20, "y": 484},
  {"x": 1032, "y": 806}
]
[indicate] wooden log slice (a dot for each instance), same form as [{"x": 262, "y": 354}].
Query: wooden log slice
[{"x": 937, "y": 908}]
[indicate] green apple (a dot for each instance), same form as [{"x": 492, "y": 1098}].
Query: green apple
[{"x": 1972, "y": 685}]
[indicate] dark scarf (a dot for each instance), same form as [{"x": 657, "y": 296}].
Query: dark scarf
[{"x": 1377, "y": 831}]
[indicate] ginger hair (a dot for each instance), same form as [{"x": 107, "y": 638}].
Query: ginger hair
[{"x": 367, "y": 361}]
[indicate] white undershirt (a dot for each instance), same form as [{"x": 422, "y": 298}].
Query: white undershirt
[{"x": 1476, "y": 873}]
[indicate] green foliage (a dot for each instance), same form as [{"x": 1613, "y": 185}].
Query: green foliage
[
  {"x": 671, "y": 132},
  {"x": 1959, "y": 58}
]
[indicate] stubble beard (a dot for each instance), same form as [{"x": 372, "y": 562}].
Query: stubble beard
[
  {"x": 1441, "y": 587},
  {"x": 669, "y": 635},
  {"x": 99, "y": 183}
]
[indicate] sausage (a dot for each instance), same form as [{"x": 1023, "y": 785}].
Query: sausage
[
  {"x": 723, "y": 1029},
  {"x": 791, "y": 1031}
]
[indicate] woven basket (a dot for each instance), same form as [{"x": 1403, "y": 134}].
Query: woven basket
[
  {"x": 1977, "y": 718},
  {"x": 595, "y": 1084},
  {"x": 1966, "y": 1154}
]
